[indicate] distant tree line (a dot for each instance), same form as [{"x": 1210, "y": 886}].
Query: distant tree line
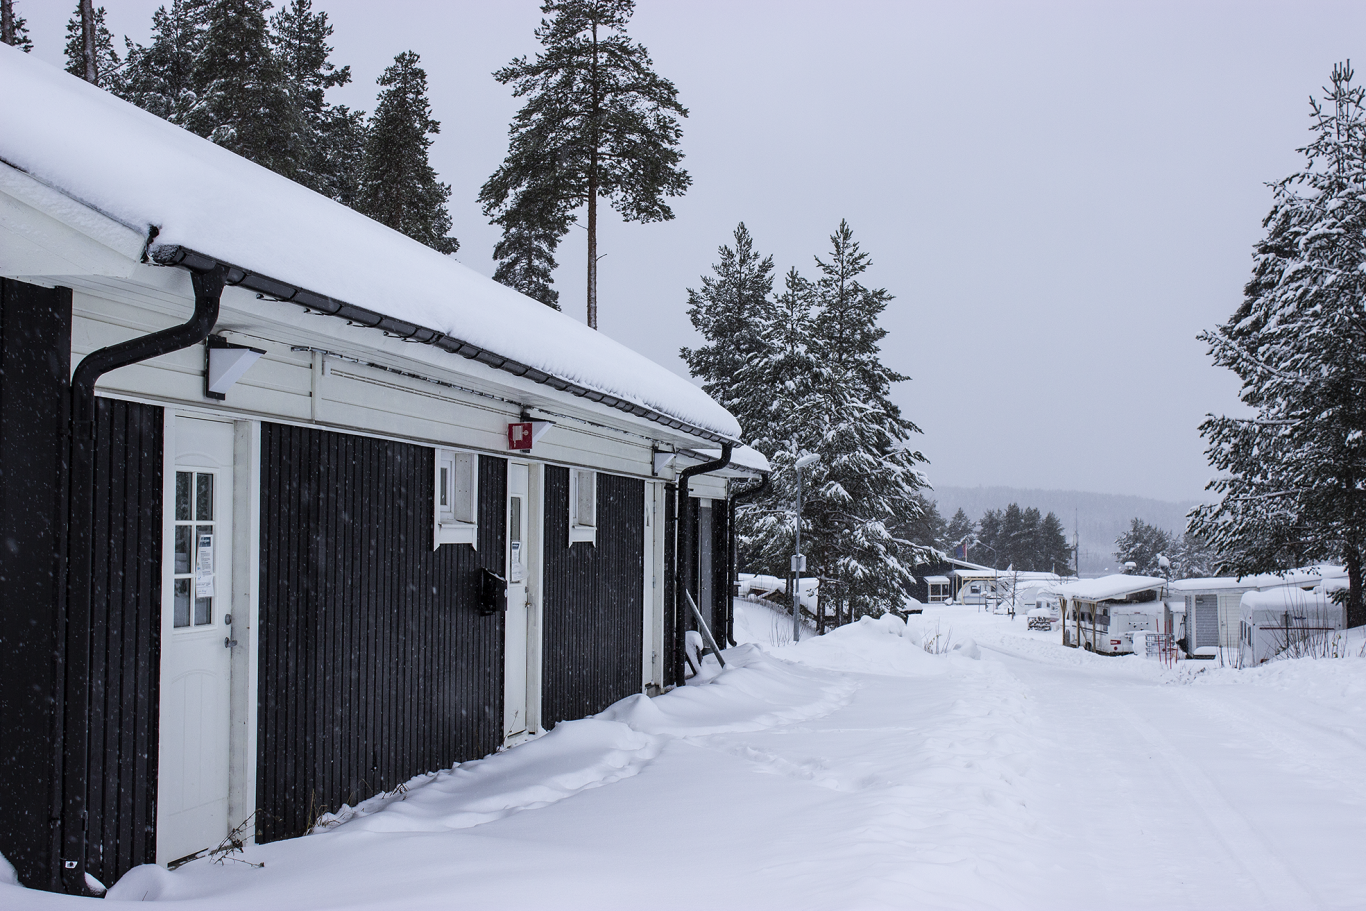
[
  {"x": 800, "y": 367},
  {"x": 1015, "y": 537}
]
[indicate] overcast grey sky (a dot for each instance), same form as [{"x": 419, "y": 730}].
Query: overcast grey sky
[{"x": 1059, "y": 195}]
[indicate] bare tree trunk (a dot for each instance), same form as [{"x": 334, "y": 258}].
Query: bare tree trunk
[
  {"x": 593, "y": 194},
  {"x": 593, "y": 242},
  {"x": 7, "y": 21},
  {"x": 92, "y": 75}
]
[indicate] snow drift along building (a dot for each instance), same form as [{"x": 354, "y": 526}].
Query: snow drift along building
[{"x": 296, "y": 508}]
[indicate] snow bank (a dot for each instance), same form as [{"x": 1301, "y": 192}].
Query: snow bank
[{"x": 144, "y": 172}]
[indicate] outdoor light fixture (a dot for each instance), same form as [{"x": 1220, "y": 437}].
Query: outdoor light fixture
[
  {"x": 660, "y": 461},
  {"x": 224, "y": 365}
]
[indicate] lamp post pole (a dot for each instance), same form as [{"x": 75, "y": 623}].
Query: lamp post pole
[
  {"x": 798, "y": 561},
  {"x": 995, "y": 558}
]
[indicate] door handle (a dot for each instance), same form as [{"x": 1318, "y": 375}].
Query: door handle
[{"x": 229, "y": 642}]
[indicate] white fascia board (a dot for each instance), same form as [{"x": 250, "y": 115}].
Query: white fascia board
[{"x": 45, "y": 234}]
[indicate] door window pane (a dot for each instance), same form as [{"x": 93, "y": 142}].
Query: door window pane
[
  {"x": 515, "y": 520},
  {"x": 182, "y": 496},
  {"x": 203, "y": 496},
  {"x": 182, "y": 548},
  {"x": 203, "y": 611},
  {"x": 180, "y": 613}
]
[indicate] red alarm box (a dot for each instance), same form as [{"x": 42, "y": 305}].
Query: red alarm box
[{"x": 519, "y": 436}]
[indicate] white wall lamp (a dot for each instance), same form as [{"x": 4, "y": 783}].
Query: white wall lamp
[
  {"x": 660, "y": 461},
  {"x": 224, "y": 365}
]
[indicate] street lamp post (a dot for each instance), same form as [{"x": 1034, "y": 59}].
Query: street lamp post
[
  {"x": 995, "y": 558},
  {"x": 799, "y": 561}
]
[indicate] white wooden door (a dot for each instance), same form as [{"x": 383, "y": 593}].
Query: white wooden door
[
  {"x": 518, "y": 570},
  {"x": 192, "y": 796}
]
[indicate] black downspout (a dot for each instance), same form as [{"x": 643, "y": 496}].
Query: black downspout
[
  {"x": 685, "y": 550},
  {"x": 74, "y": 640},
  {"x": 747, "y": 494}
]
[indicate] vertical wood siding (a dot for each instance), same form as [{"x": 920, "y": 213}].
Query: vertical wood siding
[
  {"x": 671, "y": 597},
  {"x": 593, "y": 604},
  {"x": 375, "y": 664},
  {"x": 721, "y": 581},
  {"x": 125, "y": 642},
  {"x": 35, "y": 346}
]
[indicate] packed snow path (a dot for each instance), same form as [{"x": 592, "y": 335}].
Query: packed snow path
[{"x": 859, "y": 771}]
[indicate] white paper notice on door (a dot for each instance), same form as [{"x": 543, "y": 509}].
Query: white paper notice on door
[
  {"x": 203, "y": 567},
  {"x": 515, "y": 572}
]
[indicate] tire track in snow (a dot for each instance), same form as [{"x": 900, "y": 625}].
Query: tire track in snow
[{"x": 1109, "y": 719}]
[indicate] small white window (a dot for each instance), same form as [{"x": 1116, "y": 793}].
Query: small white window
[
  {"x": 583, "y": 505},
  {"x": 457, "y": 498}
]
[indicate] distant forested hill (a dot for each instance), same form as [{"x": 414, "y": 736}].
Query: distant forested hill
[{"x": 1100, "y": 517}]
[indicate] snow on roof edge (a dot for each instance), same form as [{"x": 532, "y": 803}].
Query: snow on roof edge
[
  {"x": 127, "y": 164},
  {"x": 1116, "y": 585}
]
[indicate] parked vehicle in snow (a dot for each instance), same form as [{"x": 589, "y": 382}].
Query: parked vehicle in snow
[
  {"x": 1288, "y": 622},
  {"x": 1098, "y": 613}
]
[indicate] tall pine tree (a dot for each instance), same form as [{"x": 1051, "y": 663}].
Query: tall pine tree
[
  {"x": 160, "y": 77},
  {"x": 597, "y": 122},
  {"x": 245, "y": 100},
  {"x": 14, "y": 28},
  {"x": 867, "y": 478},
  {"x": 1293, "y": 476},
  {"x": 106, "y": 60},
  {"x": 726, "y": 312},
  {"x": 398, "y": 186},
  {"x": 332, "y": 142},
  {"x": 779, "y": 373},
  {"x": 532, "y": 229}
]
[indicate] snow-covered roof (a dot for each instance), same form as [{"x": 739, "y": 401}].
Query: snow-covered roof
[
  {"x": 1300, "y": 604},
  {"x": 146, "y": 173},
  {"x": 1108, "y": 587},
  {"x": 1309, "y": 575},
  {"x": 937, "y": 580}
]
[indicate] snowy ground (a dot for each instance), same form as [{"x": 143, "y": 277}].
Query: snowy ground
[{"x": 858, "y": 771}]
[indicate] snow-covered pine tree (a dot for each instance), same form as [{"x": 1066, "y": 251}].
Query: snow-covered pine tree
[
  {"x": 333, "y": 138},
  {"x": 398, "y": 185},
  {"x": 779, "y": 372},
  {"x": 1142, "y": 544},
  {"x": 532, "y": 229},
  {"x": 726, "y": 312},
  {"x": 1293, "y": 477},
  {"x": 246, "y": 102},
  {"x": 960, "y": 528},
  {"x": 867, "y": 477},
  {"x": 106, "y": 60},
  {"x": 1055, "y": 554},
  {"x": 598, "y": 122},
  {"x": 160, "y": 77},
  {"x": 928, "y": 529},
  {"x": 14, "y": 28}
]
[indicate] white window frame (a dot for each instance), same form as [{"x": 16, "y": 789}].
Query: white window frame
[
  {"x": 455, "y": 522},
  {"x": 581, "y": 527}
]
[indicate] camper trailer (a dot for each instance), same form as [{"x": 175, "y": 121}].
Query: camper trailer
[
  {"x": 1287, "y": 622},
  {"x": 1101, "y": 615}
]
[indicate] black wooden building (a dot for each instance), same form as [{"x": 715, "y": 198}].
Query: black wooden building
[{"x": 291, "y": 515}]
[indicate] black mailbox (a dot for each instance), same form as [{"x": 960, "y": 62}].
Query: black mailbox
[{"x": 493, "y": 592}]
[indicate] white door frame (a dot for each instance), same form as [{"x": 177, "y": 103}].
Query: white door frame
[
  {"x": 530, "y": 648},
  {"x": 243, "y": 579},
  {"x": 246, "y": 588}
]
